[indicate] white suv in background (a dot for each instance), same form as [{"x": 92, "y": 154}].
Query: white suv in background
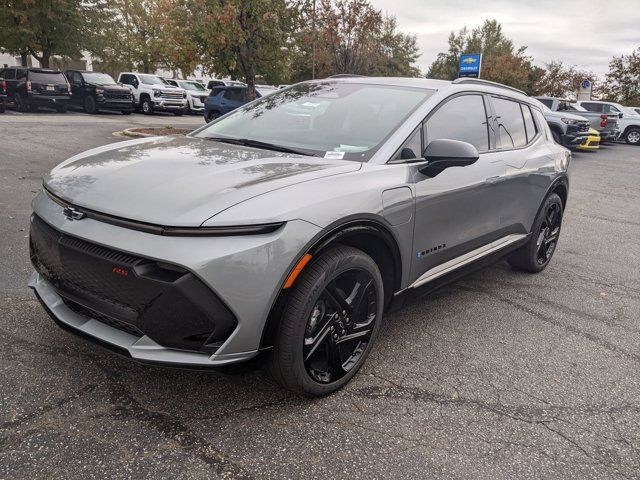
[
  {"x": 628, "y": 121},
  {"x": 152, "y": 93},
  {"x": 196, "y": 94}
]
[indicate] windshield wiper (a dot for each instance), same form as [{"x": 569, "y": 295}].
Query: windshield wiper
[{"x": 248, "y": 142}]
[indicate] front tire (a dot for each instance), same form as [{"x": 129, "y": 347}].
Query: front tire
[
  {"x": 211, "y": 116},
  {"x": 20, "y": 104},
  {"x": 536, "y": 254},
  {"x": 632, "y": 136},
  {"x": 146, "y": 106},
  {"x": 330, "y": 323}
]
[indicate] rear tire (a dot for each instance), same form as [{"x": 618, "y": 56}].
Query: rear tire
[
  {"x": 211, "y": 116},
  {"x": 632, "y": 136},
  {"x": 90, "y": 105},
  {"x": 536, "y": 254},
  {"x": 334, "y": 311},
  {"x": 127, "y": 112},
  {"x": 20, "y": 104},
  {"x": 2, "y": 106}
]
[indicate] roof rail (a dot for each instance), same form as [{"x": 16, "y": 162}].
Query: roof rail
[
  {"x": 346, "y": 75},
  {"x": 479, "y": 81}
]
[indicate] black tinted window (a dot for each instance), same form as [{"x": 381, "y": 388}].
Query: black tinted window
[
  {"x": 529, "y": 123},
  {"x": 592, "y": 107},
  {"x": 41, "y": 77},
  {"x": 546, "y": 101},
  {"x": 463, "y": 118},
  {"x": 21, "y": 73},
  {"x": 126, "y": 79},
  {"x": 510, "y": 123},
  {"x": 9, "y": 74},
  {"x": 234, "y": 94}
]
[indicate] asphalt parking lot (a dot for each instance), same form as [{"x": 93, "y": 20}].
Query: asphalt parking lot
[{"x": 500, "y": 375}]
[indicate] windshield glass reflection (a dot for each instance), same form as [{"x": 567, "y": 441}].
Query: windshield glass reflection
[{"x": 334, "y": 120}]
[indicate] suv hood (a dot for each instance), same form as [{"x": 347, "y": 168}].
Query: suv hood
[{"x": 179, "y": 181}]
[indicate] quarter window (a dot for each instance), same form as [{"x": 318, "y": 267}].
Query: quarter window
[
  {"x": 9, "y": 74},
  {"x": 462, "y": 118},
  {"x": 234, "y": 94},
  {"x": 412, "y": 148},
  {"x": 510, "y": 122},
  {"x": 528, "y": 122}
]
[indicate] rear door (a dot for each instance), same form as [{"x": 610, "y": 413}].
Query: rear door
[
  {"x": 457, "y": 211},
  {"x": 528, "y": 161}
]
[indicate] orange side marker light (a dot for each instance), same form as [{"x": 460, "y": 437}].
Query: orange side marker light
[{"x": 296, "y": 271}]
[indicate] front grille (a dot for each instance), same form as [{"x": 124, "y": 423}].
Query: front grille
[
  {"x": 117, "y": 96},
  {"x": 101, "y": 317},
  {"x": 171, "y": 95},
  {"x": 168, "y": 304}
]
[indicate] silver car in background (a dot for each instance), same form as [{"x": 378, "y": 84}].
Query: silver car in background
[{"x": 290, "y": 225}]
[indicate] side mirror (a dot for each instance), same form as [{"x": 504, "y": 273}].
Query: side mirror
[{"x": 443, "y": 153}]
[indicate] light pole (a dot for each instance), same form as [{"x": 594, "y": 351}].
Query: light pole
[{"x": 313, "y": 41}]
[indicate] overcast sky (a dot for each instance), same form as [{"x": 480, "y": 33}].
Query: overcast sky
[{"x": 584, "y": 33}]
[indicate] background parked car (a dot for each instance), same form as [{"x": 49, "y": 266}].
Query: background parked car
[
  {"x": 37, "y": 87},
  {"x": 568, "y": 130},
  {"x": 592, "y": 142},
  {"x": 223, "y": 100},
  {"x": 196, "y": 94},
  {"x": 216, "y": 82},
  {"x": 265, "y": 90},
  {"x": 629, "y": 120},
  {"x": 606, "y": 124},
  {"x": 95, "y": 91},
  {"x": 152, "y": 93},
  {"x": 3, "y": 94}
]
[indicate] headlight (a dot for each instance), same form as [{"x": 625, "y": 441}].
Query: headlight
[
  {"x": 569, "y": 121},
  {"x": 157, "y": 93}
]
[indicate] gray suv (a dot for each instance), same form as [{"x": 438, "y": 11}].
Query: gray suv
[{"x": 290, "y": 225}]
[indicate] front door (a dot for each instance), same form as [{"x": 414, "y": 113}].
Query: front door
[{"x": 458, "y": 210}]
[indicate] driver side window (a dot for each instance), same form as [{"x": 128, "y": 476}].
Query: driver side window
[{"x": 462, "y": 118}]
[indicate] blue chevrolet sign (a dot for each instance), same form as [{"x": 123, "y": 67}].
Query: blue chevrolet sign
[{"x": 470, "y": 65}]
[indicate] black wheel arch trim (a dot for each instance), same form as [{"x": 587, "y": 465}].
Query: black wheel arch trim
[
  {"x": 561, "y": 181},
  {"x": 332, "y": 234}
]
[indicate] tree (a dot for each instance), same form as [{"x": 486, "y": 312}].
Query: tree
[
  {"x": 561, "y": 81},
  {"x": 501, "y": 61},
  {"x": 44, "y": 28},
  {"x": 350, "y": 37},
  {"x": 622, "y": 83},
  {"x": 246, "y": 37}
]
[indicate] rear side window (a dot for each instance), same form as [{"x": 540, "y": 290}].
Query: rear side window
[
  {"x": 592, "y": 107},
  {"x": 234, "y": 94},
  {"x": 546, "y": 101},
  {"x": 462, "y": 118},
  {"x": 9, "y": 74},
  {"x": 510, "y": 121},
  {"x": 40, "y": 77},
  {"x": 542, "y": 124},
  {"x": 529, "y": 124},
  {"x": 126, "y": 79}
]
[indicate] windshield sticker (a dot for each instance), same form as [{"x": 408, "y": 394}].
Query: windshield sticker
[{"x": 334, "y": 155}]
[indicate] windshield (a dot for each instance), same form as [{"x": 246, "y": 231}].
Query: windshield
[
  {"x": 152, "y": 80},
  {"x": 192, "y": 86},
  {"x": 332, "y": 120},
  {"x": 98, "y": 78}
]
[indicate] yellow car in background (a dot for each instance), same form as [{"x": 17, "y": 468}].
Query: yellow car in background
[{"x": 592, "y": 142}]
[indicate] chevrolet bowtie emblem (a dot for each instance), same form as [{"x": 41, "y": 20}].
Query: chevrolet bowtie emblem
[{"x": 73, "y": 214}]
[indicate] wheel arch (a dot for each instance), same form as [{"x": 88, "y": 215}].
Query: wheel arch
[
  {"x": 371, "y": 236},
  {"x": 628, "y": 128},
  {"x": 560, "y": 186}
]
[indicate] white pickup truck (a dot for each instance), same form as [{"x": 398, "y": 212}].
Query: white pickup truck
[
  {"x": 152, "y": 93},
  {"x": 628, "y": 118}
]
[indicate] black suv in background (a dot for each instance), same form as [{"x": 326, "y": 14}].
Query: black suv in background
[
  {"x": 3, "y": 94},
  {"x": 36, "y": 87},
  {"x": 95, "y": 91}
]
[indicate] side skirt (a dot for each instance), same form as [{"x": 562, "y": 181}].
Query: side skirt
[{"x": 456, "y": 269}]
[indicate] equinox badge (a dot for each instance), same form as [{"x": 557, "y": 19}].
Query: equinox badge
[{"x": 73, "y": 214}]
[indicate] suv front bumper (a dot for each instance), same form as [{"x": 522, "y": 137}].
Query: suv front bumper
[
  {"x": 244, "y": 273},
  {"x": 169, "y": 105}
]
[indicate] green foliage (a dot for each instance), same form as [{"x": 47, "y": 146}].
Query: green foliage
[
  {"x": 561, "y": 81},
  {"x": 501, "y": 61},
  {"x": 623, "y": 80},
  {"x": 43, "y": 28},
  {"x": 352, "y": 37}
]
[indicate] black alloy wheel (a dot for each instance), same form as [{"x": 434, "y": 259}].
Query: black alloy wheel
[
  {"x": 535, "y": 255},
  {"x": 340, "y": 326},
  {"x": 330, "y": 323},
  {"x": 548, "y": 234}
]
